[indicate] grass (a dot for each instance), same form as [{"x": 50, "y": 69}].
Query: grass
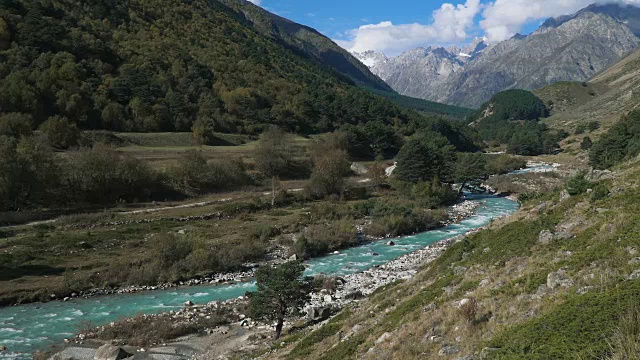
[
  {"x": 578, "y": 328},
  {"x": 517, "y": 316},
  {"x": 305, "y": 346},
  {"x": 143, "y": 330}
]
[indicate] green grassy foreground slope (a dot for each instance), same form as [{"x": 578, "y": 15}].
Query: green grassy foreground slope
[{"x": 557, "y": 281}]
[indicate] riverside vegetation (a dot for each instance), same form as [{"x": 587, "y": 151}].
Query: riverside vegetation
[
  {"x": 238, "y": 224},
  {"x": 558, "y": 280}
]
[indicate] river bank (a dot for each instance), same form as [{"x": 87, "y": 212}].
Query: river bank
[
  {"x": 40, "y": 325},
  {"x": 455, "y": 214},
  {"x": 349, "y": 288}
]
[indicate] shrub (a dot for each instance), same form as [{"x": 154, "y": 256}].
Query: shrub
[
  {"x": 321, "y": 239},
  {"x": 600, "y": 191},
  {"x": 504, "y": 163},
  {"x": 331, "y": 166},
  {"x": 578, "y": 184},
  {"x": 61, "y": 132},
  {"x": 586, "y": 143},
  {"x": 103, "y": 175},
  {"x": 529, "y": 195},
  {"x": 194, "y": 176},
  {"x": 469, "y": 310}
]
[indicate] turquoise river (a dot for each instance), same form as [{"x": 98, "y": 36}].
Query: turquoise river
[{"x": 26, "y": 328}]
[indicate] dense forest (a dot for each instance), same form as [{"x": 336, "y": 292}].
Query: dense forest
[
  {"x": 511, "y": 118},
  {"x": 166, "y": 66}
]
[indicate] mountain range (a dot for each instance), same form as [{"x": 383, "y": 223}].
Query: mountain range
[{"x": 566, "y": 48}]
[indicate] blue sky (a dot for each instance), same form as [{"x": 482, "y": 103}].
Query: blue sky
[{"x": 395, "y": 26}]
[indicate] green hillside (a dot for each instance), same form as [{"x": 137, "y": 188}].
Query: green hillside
[
  {"x": 309, "y": 42},
  {"x": 155, "y": 65}
]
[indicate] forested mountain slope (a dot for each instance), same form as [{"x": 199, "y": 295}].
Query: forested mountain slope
[
  {"x": 162, "y": 65},
  {"x": 309, "y": 42}
]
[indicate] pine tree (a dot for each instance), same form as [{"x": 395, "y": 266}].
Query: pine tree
[{"x": 282, "y": 291}]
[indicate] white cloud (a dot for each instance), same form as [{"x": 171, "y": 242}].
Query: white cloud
[
  {"x": 503, "y": 18},
  {"x": 256, "y": 2},
  {"x": 450, "y": 24}
]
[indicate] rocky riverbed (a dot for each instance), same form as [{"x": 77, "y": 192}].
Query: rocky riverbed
[
  {"x": 456, "y": 213},
  {"x": 346, "y": 289}
]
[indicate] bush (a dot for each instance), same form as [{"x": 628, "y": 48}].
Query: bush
[
  {"x": 504, "y": 163},
  {"x": 331, "y": 166},
  {"x": 578, "y": 184},
  {"x": 469, "y": 310},
  {"x": 61, "y": 132},
  {"x": 416, "y": 221},
  {"x": 600, "y": 191},
  {"x": 105, "y": 176},
  {"x": 529, "y": 195},
  {"x": 586, "y": 143},
  {"x": 15, "y": 125},
  {"x": 194, "y": 176},
  {"x": 321, "y": 239}
]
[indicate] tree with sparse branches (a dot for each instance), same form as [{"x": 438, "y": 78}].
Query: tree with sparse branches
[
  {"x": 274, "y": 156},
  {"x": 282, "y": 291}
]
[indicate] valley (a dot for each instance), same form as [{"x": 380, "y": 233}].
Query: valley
[{"x": 208, "y": 179}]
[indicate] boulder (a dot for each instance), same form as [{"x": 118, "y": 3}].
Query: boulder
[
  {"x": 459, "y": 270},
  {"x": 359, "y": 169},
  {"x": 188, "y": 303},
  {"x": 354, "y": 295},
  {"x": 449, "y": 350},
  {"x": 558, "y": 279},
  {"x": 563, "y": 235},
  {"x": 293, "y": 257},
  {"x": 318, "y": 313},
  {"x": 564, "y": 196},
  {"x": 545, "y": 237},
  {"x": 391, "y": 243},
  {"x": 110, "y": 352},
  {"x": 384, "y": 337}
]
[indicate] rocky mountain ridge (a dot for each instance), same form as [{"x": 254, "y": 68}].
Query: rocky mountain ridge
[{"x": 567, "y": 48}]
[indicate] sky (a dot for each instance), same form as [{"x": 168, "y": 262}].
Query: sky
[{"x": 395, "y": 26}]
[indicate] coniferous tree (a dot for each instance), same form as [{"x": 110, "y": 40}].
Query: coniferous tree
[{"x": 282, "y": 291}]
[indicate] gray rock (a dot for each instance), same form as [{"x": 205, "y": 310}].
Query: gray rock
[
  {"x": 564, "y": 196},
  {"x": 293, "y": 257},
  {"x": 634, "y": 275},
  {"x": 354, "y": 295},
  {"x": 359, "y": 169},
  {"x": 545, "y": 237},
  {"x": 110, "y": 352},
  {"x": 384, "y": 337},
  {"x": 558, "y": 279},
  {"x": 318, "y": 313},
  {"x": 459, "y": 270},
  {"x": 74, "y": 353},
  {"x": 449, "y": 350},
  {"x": 563, "y": 235}
]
